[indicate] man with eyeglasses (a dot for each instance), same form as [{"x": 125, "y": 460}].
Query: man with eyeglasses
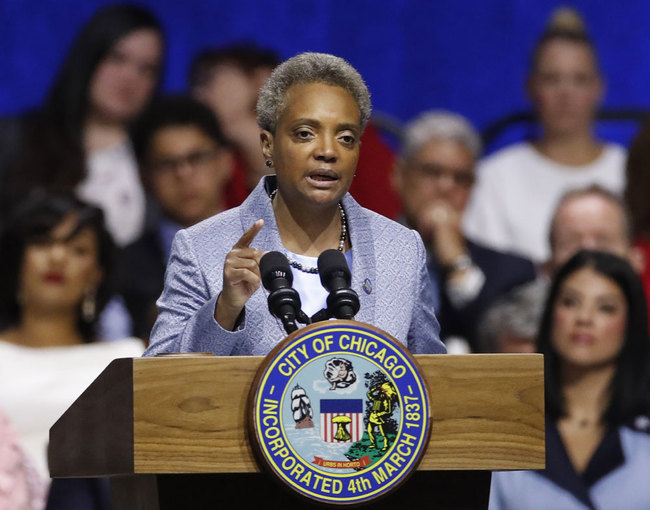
[
  {"x": 434, "y": 177},
  {"x": 185, "y": 164}
]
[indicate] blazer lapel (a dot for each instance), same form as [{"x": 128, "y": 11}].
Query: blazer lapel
[
  {"x": 363, "y": 259},
  {"x": 258, "y": 205}
]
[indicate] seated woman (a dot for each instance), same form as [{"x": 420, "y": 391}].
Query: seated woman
[
  {"x": 519, "y": 186},
  {"x": 312, "y": 112},
  {"x": 594, "y": 337},
  {"x": 56, "y": 260},
  {"x": 78, "y": 141}
]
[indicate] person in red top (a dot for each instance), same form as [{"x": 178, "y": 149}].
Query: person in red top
[{"x": 636, "y": 197}]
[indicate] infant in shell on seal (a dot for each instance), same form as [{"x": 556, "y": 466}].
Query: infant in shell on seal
[{"x": 340, "y": 373}]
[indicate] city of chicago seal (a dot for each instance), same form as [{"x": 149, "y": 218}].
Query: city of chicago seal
[{"x": 340, "y": 412}]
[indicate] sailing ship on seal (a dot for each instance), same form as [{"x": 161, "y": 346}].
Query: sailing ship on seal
[{"x": 301, "y": 407}]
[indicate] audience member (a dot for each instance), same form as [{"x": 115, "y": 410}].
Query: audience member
[
  {"x": 594, "y": 337},
  {"x": 510, "y": 324},
  {"x": 20, "y": 486},
  {"x": 185, "y": 163},
  {"x": 637, "y": 192},
  {"x": 56, "y": 259},
  {"x": 78, "y": 140},
  {"x": 228, "y": 80},
  {"x": 518, "y": 187},
  {"x": 434, "y": 177},
  {"x": 591, "y": 218}
]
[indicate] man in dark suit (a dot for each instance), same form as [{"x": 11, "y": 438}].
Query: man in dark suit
[
  {"x": 185, "y": 162},
  {"x": 434, "y": 177}
]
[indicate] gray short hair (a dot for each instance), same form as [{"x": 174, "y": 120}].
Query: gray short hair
[
  {"x": 516, "y": 313},
  {"x": 440, "y": 125},
  {"x": 308, "y": 68}
]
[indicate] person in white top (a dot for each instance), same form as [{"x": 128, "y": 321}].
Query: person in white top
[
  {"x": 518, "y": 187},
  {"x": 56, "y": 259},
  {"x": 78, "y": 140}
]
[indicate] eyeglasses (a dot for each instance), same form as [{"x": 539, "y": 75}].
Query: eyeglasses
[
  {"x": 461, "y": 178},
  {"x": 196, "y": 160}
]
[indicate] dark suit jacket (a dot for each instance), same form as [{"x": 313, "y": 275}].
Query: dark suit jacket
[
  {"x": 502, "y": 271},
  {"x": 142, "y": 274}
]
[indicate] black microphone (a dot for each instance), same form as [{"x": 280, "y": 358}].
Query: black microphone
[
  {"x": 284, "y": 301},
  {"x": 343, "y": 302}
]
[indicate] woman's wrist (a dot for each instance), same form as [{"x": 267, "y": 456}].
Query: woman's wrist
[{"x": 226, "y": 315}]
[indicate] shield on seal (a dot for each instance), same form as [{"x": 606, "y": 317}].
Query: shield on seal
[{"x": 341, "y": 420}]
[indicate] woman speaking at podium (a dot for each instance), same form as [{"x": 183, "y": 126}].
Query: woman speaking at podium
[{"x": 311, "y": 112}]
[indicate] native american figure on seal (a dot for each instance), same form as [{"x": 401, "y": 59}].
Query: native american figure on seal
[{"x": 383, "y": 397}]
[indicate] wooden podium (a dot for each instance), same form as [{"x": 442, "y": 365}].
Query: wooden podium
[{"x": 170, "y": 432}]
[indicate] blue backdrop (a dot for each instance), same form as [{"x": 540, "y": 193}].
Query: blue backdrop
[{"x": 468, "y": 56}]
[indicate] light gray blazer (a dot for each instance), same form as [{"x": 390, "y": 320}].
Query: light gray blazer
[{"x": 388, "y": 273}]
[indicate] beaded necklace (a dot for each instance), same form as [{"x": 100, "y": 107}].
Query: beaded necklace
[{"x": 344, "y": 234}]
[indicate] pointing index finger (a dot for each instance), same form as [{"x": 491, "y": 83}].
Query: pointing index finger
[{"x": 248, "y": 236}]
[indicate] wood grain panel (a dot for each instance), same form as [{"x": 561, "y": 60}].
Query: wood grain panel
[
  {"x": 189, "y": 413},
  {"x": 488, "y": 411}
]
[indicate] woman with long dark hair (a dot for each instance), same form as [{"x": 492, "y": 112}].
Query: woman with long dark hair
[
  {"x": 78, "y": 140},
  {"x": 594, "y": 337},
  {"x": 56, "y": 261}
]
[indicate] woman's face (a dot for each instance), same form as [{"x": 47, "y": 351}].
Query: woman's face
[
  {"x": 590, "y": 318},
  {"x": 565, "y": 87},
  {"x": 58, "y": 270},
  {"x": 123, "y": 82},
  {"x": 315, "y": 147}
]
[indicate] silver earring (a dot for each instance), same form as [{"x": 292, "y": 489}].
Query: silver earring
[
  {"x": 269, "y": 163},
  {"x": 89, "y": 306}
]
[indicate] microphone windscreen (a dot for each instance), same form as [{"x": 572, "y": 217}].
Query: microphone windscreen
[
  {"x": 275, "y": 265},
  {"x": 332, "y": 263}
]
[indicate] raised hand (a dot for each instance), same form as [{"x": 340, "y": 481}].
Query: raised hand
[
  {"x": 440, "y": 226},
  {"x": 241, "y": 278}
]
